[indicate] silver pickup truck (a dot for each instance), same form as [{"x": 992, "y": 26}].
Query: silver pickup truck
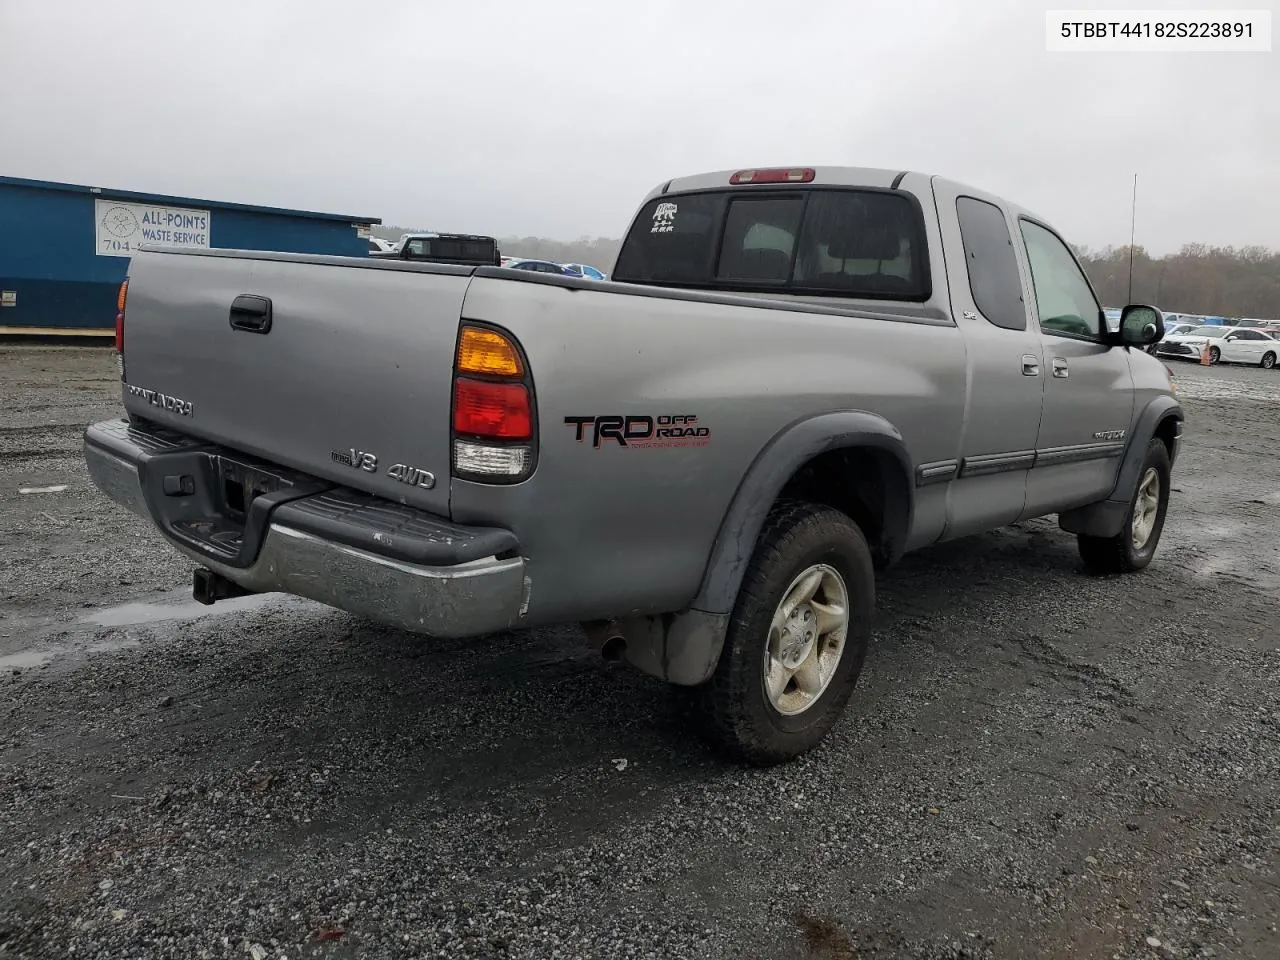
[{"x": 794, "y": 377}]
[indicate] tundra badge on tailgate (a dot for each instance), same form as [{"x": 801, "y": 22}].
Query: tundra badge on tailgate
[{"x": 162, "y": 400}]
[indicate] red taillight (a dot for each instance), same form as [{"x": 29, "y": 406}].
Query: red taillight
[
  {"x": 495, "y": 411},
  {"x": 121, "y": 297},
  {"x": 777, "y": 175}
]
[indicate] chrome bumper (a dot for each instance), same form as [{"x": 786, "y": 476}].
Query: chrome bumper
[{"x": 465, "y": 599}]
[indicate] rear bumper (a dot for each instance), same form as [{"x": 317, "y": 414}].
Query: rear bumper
[{"x": 373, "y": 558}]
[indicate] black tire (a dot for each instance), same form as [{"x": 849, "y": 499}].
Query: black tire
[
  {"x": 1268, "y": 360},
  {"x": 743, "y": 720},
  {"x": 1215, "y": 355},
  {"x": 1118, "y": 554}
]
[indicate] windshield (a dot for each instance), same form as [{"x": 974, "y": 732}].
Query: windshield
[
  {"x": 1215, "y": 332},
  {"x": 838, "y": 242}
]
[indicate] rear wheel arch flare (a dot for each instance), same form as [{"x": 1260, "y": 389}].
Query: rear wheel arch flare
[{"x": 853, "y": 457}]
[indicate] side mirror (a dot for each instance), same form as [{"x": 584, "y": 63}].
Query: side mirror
[
  {"x": 1141, "y": 325},
  {"x": 1232, "y": 339}
]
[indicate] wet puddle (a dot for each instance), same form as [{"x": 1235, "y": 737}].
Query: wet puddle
[
  {"x": 140, "y": 614},
  {"x": 137, "y": 614},
  {"x": 34, "y": 659}
]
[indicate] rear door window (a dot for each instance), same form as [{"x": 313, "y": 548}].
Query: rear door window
[
  {"x": 839, "y": 242},
  {"x": 992, "y": 264}
]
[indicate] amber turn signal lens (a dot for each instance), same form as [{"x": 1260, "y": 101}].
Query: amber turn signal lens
[{"x": 487, "y": 352}]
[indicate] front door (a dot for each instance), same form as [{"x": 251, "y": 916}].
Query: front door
[{"x": 1088, "y": 386}]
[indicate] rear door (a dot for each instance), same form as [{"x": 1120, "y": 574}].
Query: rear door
[
  {"x": 1088, "y": 403},
  {"x": 1006, "y": 377}
]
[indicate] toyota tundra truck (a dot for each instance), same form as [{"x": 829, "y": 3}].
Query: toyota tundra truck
[{"x": 793, "y": 377}]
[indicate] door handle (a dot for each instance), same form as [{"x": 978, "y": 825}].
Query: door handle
[
  {"x": 251, "y": 314},
  {"x": 1030, "y": 365},
  {"x": 1060, "y": 368}
]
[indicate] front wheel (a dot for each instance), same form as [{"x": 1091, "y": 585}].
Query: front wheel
[
  {"x": 1215, "y": 355},
  {"x": 797, "y": 638},
  {"x": 1133, "y": 547},
  {"x": 1268, "y": 360}
]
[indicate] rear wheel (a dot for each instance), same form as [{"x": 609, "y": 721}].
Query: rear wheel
[
  {"x": 1134, "y": 546},
  {"x": 1268, "y": 360},
  {"x": 797, "y": 638}
]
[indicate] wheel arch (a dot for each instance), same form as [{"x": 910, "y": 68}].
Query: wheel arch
[
  {"x": 836, "y": 448},
  {"x": 1162, "y": 419}
]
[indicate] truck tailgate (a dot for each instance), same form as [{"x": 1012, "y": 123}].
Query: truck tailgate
[{"x": 350, "y": 382}]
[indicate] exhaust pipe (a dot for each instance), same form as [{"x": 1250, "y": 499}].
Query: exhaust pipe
[
  {"x": 606, "y": 638},
  {"x": 208, "y": 587}
]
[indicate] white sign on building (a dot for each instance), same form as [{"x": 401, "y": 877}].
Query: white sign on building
[{"x": 121, "y": 227}]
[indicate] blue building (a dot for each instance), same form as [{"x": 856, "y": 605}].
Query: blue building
[{"x": 65, "y": 248}]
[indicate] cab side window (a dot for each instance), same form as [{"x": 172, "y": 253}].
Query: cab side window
[
  {"x": 993, "y": 268},
  {"x": 1063, "y": 298}
]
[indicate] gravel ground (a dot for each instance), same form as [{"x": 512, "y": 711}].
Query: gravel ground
[{"x": 1038, "y": 764}]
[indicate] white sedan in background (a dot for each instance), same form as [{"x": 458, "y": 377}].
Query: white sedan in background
[{"x": 1225, "y": 345}]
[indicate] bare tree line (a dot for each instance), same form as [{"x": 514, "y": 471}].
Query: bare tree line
[{"x": 1198, "y": 279}]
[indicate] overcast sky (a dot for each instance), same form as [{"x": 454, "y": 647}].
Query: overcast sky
[{"x": 553, "y": 119}]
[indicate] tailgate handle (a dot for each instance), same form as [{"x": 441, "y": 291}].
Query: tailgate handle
[{"x": 250, "y": 313}]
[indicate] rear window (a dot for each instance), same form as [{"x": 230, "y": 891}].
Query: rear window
[{"x": 849, "y": 243}]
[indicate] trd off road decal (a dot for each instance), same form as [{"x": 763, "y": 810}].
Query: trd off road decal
[
  {"x": 664, "y": 218},
  {"x": 667, "y": 430}
]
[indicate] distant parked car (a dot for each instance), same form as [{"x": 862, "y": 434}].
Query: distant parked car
[
  {"x": 462, "y": 249},
  {"x": 541, "y": 266},
  {"x": 1172, "y": 329},
  {"x": 1248, "y": 345},
  {"x": 586, "y": 270},
  {"x": 1225, "y": 345}
]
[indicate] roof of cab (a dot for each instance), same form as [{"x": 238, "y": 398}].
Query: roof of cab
[
  {"x": 830, "y": 176},
  {"x": 834, "y": 176}
]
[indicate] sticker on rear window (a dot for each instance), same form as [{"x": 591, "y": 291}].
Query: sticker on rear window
[{"x": 664, "y": 218}]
